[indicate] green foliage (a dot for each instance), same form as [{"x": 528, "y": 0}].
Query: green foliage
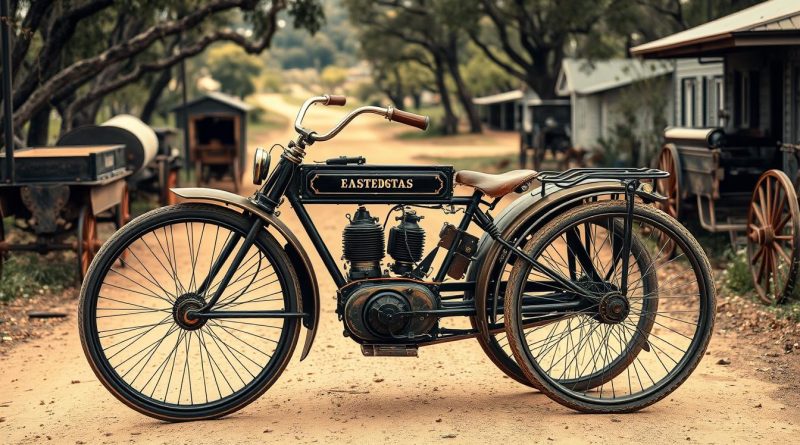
[
  {"x": 737, "y": 277},
  {"x": 333, "y": 77},
  {"x": 235, "y": 70},
  {"x": 483, "y": 77},
  {"x": 333, "y": 42},
  {"x": 26, "y": 274}
]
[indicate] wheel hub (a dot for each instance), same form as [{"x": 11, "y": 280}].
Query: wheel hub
[
  {"x": 762, "y": 235},
  {"x": 613, "y": 308},
  {"x": 180, "y": 311}
]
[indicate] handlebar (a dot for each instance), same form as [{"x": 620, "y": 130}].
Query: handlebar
[{"x": 392, "y": 114}]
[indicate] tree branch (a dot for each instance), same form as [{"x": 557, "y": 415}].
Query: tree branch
[{"x": 80, "y": 71}]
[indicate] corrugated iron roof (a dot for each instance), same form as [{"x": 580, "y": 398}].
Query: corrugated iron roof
[
  {"x": 583, "y": 76},
  {"x": 773, "y": 17},
  {"x": 508, "y": 96},
  {"x": 226, "y": 99}
]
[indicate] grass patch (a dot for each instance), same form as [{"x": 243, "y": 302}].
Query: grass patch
[
  {"x": 737, "y": 277},
  {"x": 27, "y": 274},
  {"x": 488, "y": 164}
]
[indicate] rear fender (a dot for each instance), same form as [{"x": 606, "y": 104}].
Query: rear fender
[
  {"x": 309, "y": 289},
  {"x": 523, "y": 216}
]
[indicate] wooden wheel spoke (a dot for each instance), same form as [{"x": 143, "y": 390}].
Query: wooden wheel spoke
[
  {"x": 777, "y": 247},
  {"x": 773, "y": 224},
  {"x": 757, "y": 212}
]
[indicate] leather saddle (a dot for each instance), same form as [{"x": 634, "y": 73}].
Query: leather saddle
[{"x": 496, "y": 186}]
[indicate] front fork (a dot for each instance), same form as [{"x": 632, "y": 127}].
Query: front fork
[{"x": 206, "y": 312}]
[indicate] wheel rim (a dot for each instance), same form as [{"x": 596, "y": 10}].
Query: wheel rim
[
  {"x": 669, "y": 187},
  {"x": 88, "y": 241},
  {"x": 773, "y": 231},
  {"x": 574, "y": 345},
  {"x": 137, "y": 307}
]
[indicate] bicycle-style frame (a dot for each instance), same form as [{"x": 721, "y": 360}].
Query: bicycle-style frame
[{"x": 281, "y": 184}]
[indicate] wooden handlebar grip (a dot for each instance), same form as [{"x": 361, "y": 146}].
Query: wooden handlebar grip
[
  {"x": 336, "y": 99},
  {"x": 414, "y": 120}
]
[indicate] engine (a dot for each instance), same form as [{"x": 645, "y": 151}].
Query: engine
[
  {"x": 384, "y": 311},
  {"x": 383, "y": 308}
]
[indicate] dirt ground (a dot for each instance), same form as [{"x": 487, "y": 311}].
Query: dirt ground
[{"x": 450, "y": 394}]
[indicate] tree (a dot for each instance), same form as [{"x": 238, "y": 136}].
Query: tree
[
  {"x": 532, "y": 35},
  {"x": 234, "y": 69},
  {"x": 120, "y": 43},
  {"x": 427, "y": 25}
]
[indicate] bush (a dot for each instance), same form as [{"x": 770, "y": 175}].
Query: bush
[{"x": 737, "y": 277}]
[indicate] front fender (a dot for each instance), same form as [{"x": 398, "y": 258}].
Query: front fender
[
  {"x": 527, "y": 213},
  {"x": 297, "y": 254}
]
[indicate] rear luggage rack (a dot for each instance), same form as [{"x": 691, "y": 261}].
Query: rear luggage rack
[{"x": 574, "y": 176}]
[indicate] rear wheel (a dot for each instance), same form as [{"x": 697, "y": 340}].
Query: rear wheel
[
  {"x": 136, "y": 329},
  {"x": 615, "y": 351}
]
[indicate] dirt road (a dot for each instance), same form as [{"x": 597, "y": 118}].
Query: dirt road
[{"x": 450, "y": 394}]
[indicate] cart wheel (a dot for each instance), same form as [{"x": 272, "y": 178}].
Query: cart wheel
[
  {"x": 2, "y": 241},
  {"x": 123, "y": 212},
  {"x": 168, "y": 197},
  {"x": 773, "y": 236},
  {"x": 87, "y": 240},
  {"x": 671, "y": 188}
]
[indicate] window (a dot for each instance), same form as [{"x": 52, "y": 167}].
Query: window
[
  {"x": 688, "y": 102},
  {"x": 746, "y": 99},
  {"x": 717, "y": 100}
]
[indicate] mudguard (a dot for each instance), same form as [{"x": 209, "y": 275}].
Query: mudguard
[
  {"x": 309, "y": 289},
  {"x": 527, "y": 213}
]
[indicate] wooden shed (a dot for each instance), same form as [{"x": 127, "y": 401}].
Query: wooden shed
[{"x": 217, "y": 129}]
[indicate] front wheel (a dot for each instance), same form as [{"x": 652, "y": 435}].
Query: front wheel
[
  {"x": 606, "y": 346},
  {"x": 134, "y": 317}
]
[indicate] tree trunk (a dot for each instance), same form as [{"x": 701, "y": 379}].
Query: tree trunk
[
  {"x": 158, "y": 87},
  {"x": 39, "y": 128},
  {"x": 450, "y": 124},
  {"x": 461, "y": 88}
]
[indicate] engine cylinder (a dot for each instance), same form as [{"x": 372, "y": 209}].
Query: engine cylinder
[
  {"x": 406, "y": 243},
  {"x": 363, "y": 245}
]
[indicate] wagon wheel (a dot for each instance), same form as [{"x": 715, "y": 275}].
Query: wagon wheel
[
  {"x": 168, "y": 198},
  {"x": 87, "y": 240},
  {"x": 671, "y": 188},
  {"x": 773, "y": 237},
  {"x": 2, "y": 241}
]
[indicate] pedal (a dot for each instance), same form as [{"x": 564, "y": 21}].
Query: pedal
[{"x": 389, "y": 350}]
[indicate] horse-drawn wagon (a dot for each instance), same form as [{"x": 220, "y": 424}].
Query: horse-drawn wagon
[{"x": 742, "y": 176}]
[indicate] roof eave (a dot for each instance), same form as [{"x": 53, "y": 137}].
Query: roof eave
[{"x": 719, "y": 44}]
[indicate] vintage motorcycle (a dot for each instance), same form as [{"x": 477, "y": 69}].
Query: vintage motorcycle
[{"x": 193, "y": 311}]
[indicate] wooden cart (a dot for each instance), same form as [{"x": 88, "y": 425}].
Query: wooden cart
[
  {"x": 217, "y": 129},
  {"x": 545, "y": 128},
  {"x": 742, "y": 178},
  {"x": 62, "y": 193}
]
